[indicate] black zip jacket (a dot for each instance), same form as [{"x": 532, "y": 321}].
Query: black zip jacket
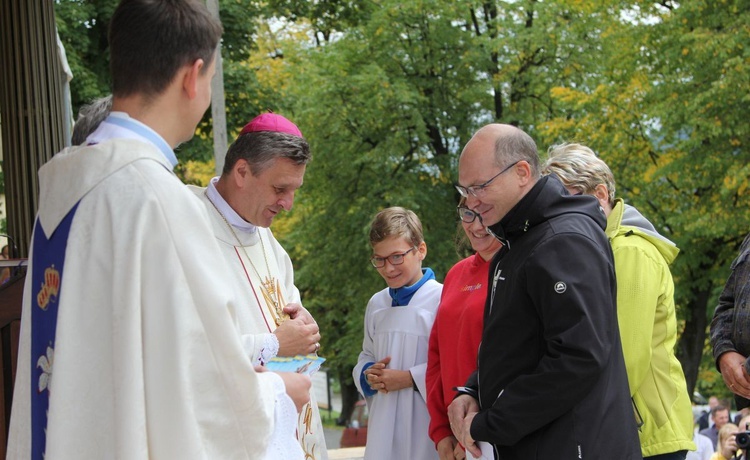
[{"x": 551, "y": 377}]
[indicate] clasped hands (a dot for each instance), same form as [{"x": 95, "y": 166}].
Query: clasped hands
[
  {"x": 384, "y": 380},
  {"x": 461, "y": 413}
]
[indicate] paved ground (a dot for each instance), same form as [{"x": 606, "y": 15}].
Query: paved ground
[
  {"x": 352, "y": 453},
  {"x": 333, "y": 436}
]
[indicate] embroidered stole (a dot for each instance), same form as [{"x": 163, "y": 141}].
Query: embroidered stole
[
  {"x": 266, "y": 307},
  {"x": 46, "y": 281}
]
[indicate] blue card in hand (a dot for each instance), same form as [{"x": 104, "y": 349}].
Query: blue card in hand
[{"x": 301, "y": 364}]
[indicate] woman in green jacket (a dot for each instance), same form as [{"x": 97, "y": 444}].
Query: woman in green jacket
[{"x": 645, "y": 306}]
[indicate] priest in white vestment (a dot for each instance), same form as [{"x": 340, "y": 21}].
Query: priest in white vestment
[{"x": 263, "y": 169}]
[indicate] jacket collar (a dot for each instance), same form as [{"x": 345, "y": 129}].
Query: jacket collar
[{"x": 547, "y": 199}]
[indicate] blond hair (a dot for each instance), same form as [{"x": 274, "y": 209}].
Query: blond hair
[
  {"x": 724, "y": 433},
  {"x": 396, "y": 221},
  {"x": 578, "y": 167}
]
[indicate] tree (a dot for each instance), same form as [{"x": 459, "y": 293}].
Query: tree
[
  {"x": 669, "y": 121},
  {"x": 82, "y": 26},
  {"x": 387, "y": 107},
  {"x": 388, "y": 92}
]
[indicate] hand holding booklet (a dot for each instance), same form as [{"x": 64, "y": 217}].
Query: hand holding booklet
[
  {"x": 301, "y": 364},
  {"x": 487, "y": 452}
]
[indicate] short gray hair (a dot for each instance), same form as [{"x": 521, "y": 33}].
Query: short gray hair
[
  {"x": 517, "y": 146},
  {"x": 260, "y": 148},
  {"x": 90, "y": 116},
  {"x": 580, "y": 168}
]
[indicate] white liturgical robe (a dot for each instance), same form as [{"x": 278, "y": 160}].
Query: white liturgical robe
[
  {"x": 146, "y": 362},
  {"x": 399, "y": 421},
  {"x": 255, "y": 317}
]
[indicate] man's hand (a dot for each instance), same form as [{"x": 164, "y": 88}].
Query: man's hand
[
  {"x": 297, "y": 387},
  {"x": 464, "y": 408},
  {"x": 297, "y": 311},
  {"x": 297, "y": 337},
  {"x": 385, "y": 380},
  {"x": 733, "y": 371},
  {"x": 466, "y": 438},
  {"x": 449, "y": 449}
]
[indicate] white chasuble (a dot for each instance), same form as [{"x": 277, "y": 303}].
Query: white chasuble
[
  {"x": 146, "y": 363},
  {"x": 250, "y": 264}
]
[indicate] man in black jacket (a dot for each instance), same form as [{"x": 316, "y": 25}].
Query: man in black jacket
[{"x": 551, "y": 381}]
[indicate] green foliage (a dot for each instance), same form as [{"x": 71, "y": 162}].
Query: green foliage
[
  {"x": 325, "y": 17},
  {"x": 386, "y": 111},
  {"x": 709, "y": 381},
  {"x": 82, "y": 27},
  {"x": 669, "y": 121},
  {"x": 387, "y": 93},
  {"x": 83, "y": 24},
  {"x": 387, "y": 108}
]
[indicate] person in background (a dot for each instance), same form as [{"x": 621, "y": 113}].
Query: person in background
[
  {"x": 90, "y": 116},
  {"x": 550, "y": 380},
  {"x": 703, "y": 421},
  {"x": 726, "y": 448},
  {"x": 390, "y": 370},
  {"x": 741, "y": 414},
  {"x": 264, "y": 167},
  {"x": 127, "y": 343},
  {"x": 704, "y": 448},
  {"x": 645, "y": 305},
  {"x": 719, "y": 418},
  {"x": 455, "y": 336}
]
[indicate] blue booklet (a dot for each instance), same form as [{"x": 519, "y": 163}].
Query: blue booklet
[{"x": 301, "y": 364}]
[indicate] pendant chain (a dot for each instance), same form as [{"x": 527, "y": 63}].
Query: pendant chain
[{"x": 270, "y": 286}]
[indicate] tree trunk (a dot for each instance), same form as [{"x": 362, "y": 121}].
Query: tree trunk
[
  {"x": 693, "y": 339},
  {"x": 349, "y": 397}
]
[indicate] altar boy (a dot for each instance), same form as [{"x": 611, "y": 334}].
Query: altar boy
[{"x": 390, "y": 371}]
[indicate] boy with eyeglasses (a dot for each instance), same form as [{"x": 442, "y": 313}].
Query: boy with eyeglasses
[{"x": 390, "y": 371}]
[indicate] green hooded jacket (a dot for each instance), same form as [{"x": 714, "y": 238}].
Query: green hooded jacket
[{"x": 648, "y": 329}]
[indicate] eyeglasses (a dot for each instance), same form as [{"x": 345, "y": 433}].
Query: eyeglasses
[
  {"x": 467, "y": 215},
  {"x": 478, "y": 190},
  {"x": 394, "y": 259}
]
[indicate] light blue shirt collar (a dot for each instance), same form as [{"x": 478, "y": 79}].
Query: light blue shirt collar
[{"x": 131, "y": 128}]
